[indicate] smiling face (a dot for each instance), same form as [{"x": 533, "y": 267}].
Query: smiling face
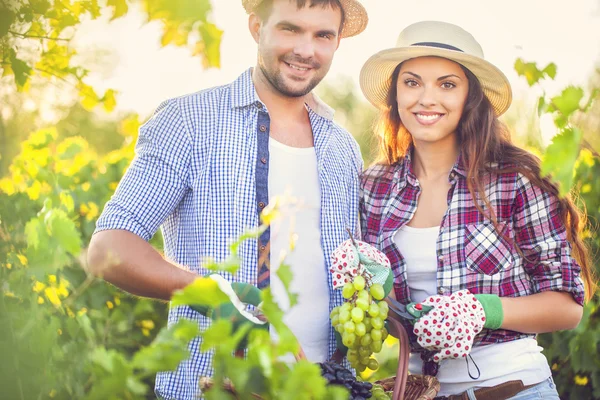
[
  {"x": 431, "y": 95},
  {"x": 296, "y": 46}
]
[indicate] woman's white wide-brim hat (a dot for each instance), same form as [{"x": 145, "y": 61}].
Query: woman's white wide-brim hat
[
  {"x": 355, "y": 15},
  {"x": 437, "y": 39}
]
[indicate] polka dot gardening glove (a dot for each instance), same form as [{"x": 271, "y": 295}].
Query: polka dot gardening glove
[{"x": 451, "y": 326}]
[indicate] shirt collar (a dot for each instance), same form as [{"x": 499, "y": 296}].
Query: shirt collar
[{"x": 243, "y": 93}]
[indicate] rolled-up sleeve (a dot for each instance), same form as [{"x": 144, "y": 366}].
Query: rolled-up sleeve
[
  {"x": 541, "y": 236},
  {"x": 157, "y": 178}
]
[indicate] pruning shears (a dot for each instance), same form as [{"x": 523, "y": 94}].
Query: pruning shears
[{"x": 411, "y": 311}]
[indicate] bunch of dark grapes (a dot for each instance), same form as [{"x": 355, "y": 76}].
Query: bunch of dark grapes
[{"x": 338, "y": 375}]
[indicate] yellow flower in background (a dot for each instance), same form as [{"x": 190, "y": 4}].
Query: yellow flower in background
[
  {"x": 40, "y": 300},
  {"x": 110, "y": 305},
  {"x": 581, "y": 380},
  {"x": 52, "y": 278},
  {"x": 85, "y": 186},
  {"x": 70, "y": 313},
  {"x": 52, "y": 296},
  {"x": 113, "y": 186},
  {"x": 117, "y": 301},
  {"x": 23, "y": 259},
  {"x": 81, "y": 312},
  {"x": 59, "y": 331},
  {"x": 34, "y": 190},
  {"x": 555, "y": 367},
  {"x": 90, "y": 210},
  {"x": 7, "y": 186},
  {"x": 147, "y": 324},
  {"x": 145, "y": 332},
  {"x": 38, "y": 287}
]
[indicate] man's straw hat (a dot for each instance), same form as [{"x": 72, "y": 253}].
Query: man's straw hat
[
  {"x": 355, "y": 15},
  {"x": 439, "y": 39}
]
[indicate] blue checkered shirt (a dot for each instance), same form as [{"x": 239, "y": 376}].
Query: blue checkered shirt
[{"x": 195, "y": 174}]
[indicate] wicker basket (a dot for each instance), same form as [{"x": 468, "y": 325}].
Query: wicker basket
[{"x": 405, "y": 386}]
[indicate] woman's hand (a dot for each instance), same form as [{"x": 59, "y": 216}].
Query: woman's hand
[{"x": 451, "y": 326}]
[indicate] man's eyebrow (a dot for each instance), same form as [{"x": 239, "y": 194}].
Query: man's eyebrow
[
  {"x": 328, "y": 32},
  {"x": 287, "y": 24}
]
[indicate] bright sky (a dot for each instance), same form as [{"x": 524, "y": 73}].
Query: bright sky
[{"x": 564, "y": 32}]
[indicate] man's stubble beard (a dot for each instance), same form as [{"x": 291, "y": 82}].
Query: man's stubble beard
[{"x": 277, "y": 81}]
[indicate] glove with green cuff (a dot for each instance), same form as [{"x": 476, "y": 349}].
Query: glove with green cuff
[
  {"x": 451, "y": 326},
  {"x": 240, "y": 294}
]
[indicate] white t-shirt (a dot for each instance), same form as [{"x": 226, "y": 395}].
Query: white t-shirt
[
  {"x": 293, "y": 173},
  {"x": 520, "y": 359}
]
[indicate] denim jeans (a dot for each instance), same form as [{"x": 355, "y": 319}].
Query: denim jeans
[{"x": 545, "y": 390}]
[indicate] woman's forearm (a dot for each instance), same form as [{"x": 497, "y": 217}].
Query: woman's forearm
[{"x": 541, "y": 312}]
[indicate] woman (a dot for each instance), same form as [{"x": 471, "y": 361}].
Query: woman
[{"x": 459, "y": 210}]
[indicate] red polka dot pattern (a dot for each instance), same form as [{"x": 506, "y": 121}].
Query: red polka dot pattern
[{"x": 454, "y": 321}]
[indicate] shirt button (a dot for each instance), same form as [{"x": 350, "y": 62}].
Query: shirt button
[
  {"x": 261, "y": 205},
  {"x": 263, "y": 160},
  {"x": 262, "y": 128},
  {"x": 259, "y": 105},
  {"x": 262, "y": 248},
  {"x": 442, "y": 290},
  {"x": 441, "y": 258}
]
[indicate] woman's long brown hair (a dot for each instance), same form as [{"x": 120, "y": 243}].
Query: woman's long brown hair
[{"x": 486, "y": 144}]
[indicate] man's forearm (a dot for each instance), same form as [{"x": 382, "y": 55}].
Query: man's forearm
[{"x": 132, "y": 264}]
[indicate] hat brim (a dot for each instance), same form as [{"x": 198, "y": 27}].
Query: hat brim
[
  {"x": 376, "y": 74},
  {"x": 355, "y": 14}
]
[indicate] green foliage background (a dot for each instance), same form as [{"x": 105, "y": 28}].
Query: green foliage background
[{"x": 65, "y": 335}]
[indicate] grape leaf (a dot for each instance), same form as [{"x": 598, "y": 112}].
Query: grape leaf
[{"x": 560, "y": 157}]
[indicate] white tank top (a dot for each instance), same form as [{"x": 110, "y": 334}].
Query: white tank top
[
  {"x": 293, "y": 172},
  {"x": 520, "y": 359}
]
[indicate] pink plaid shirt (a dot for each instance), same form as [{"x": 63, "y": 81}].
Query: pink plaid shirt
[{"x": 471, "y": 253}]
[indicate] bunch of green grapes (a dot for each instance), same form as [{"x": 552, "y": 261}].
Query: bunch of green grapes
[
  {"x": 360, "y": 322},
  {"x": 378, "y": 393}
]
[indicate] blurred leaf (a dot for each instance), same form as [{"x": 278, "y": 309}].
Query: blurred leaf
[
  {"x": 559, "y": 159},
  {"x": 21, "y": 70},
  {"x": 568, "y": 101},
  {"x": 63, "y": 229},
  {"x": 304, "y": 382},
  {"x": 542, "y": 106},
  {"x": 211, "y": 38},
  {"x": 109, "y": 101},
  {"x": 591, "y": 100},
  {"x": 203, "y": 291},
  {"x": 168, "y": 349},
  {"x": 89, "y": 98},
  {"x": 6, "y": 19},
  {"x": 32, "y": 232},
  {"x": 120, "y": 8},
  {"x": 550, "y": 70},
  {"x": 284, "y": 272}
]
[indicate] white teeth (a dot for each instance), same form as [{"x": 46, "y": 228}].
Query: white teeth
[
  {"x": 298, "y": 68},
  {"x": 428, "y": 117}
]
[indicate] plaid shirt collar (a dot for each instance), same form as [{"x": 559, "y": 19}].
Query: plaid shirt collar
[
  {"x": 404, "y": 173},
  {"x": 243, "y": 94}
]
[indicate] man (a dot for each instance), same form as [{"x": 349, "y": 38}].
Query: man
[{"x": 206, "y": 165}]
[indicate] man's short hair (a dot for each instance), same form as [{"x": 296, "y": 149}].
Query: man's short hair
[{"x": 263, "y": 10}]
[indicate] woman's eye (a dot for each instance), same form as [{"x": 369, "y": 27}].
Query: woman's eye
[
  {"x": 448, "y": 85},
  {"x": 411, "y": 83}
]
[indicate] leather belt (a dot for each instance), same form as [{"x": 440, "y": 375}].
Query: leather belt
[{"x": 502, "y": 391}]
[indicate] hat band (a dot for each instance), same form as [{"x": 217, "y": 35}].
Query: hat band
[{"x": 436, "y": 44}]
